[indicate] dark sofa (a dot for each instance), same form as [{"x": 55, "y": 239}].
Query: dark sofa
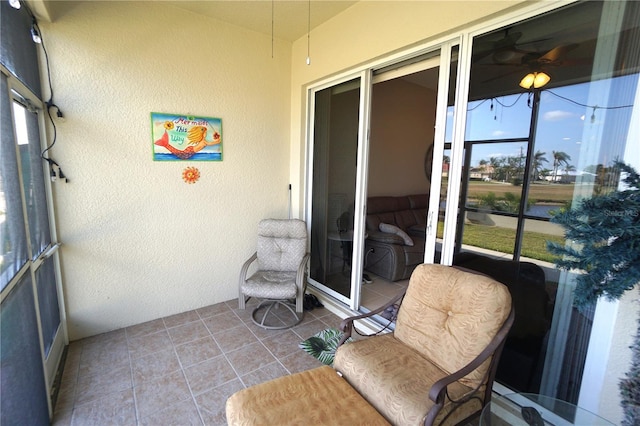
[{"x": 387, "y": 254}]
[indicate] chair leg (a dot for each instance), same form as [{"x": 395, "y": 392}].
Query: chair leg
[
  {"x": 275, "y": 303},
  {"x": 300, "y": 303}
]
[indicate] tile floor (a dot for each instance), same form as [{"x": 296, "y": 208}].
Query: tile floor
[
  {"x": 178, "y": 370},
  {"x": 380, "y": 291}
]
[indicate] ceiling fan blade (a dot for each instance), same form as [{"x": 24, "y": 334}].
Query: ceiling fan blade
[
  {"x": 557, "y": 53},
  {"x": 509, "y": 40}
]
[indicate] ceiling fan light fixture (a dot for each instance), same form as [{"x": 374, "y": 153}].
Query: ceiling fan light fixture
[{"x": 534, "y": 80}]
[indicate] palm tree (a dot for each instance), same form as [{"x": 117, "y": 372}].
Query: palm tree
[
  {"x": 559, "y": 158},
  {"x": 538, "y": 159},
  {"x": 567, "y": 169},
  {"x": 494, "y": 163}
]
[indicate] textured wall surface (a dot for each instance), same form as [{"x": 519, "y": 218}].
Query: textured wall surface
[{"x": 138, "y": 242}]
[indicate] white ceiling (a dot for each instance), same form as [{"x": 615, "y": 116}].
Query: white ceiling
[{"x": 290, "y": 17}]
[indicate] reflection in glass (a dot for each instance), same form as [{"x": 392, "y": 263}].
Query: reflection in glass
[
  {"x": 555, "y": 147},
  {"x": 504, "y": 117},
  {"x": 335, "y": 144}
]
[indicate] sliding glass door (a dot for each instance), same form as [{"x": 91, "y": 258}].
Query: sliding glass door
[
  {"x": 350, "y": 162},
  {"x": 337, "y": 152}
]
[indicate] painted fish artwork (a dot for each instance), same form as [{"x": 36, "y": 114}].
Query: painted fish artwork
[{"x": 185, "y": 137}]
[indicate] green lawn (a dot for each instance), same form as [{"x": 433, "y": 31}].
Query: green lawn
[
  {"x": 540, "y": 192},
  {"x": 534, "y": 244}
]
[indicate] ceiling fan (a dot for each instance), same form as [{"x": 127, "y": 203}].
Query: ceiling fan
[
  {"x": 501, "y": 50},
  {"x": 507, "y": 52}
]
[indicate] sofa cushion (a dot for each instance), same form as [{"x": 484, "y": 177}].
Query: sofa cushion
[
  {"x": 405, "y": 219},
  {"x": 384, "y": 204},
  {"x": 384, "y": 237},
  {"x": 418, "y": 230},
  {"x": 392, "y": 229},
  {"x": 452, "y": 322},
  {"x": 418, "y": 201},
  {"x": 385, "y": 209},
  {"x": 393, "y": 377},
  {"x": 374, "y": 220}
]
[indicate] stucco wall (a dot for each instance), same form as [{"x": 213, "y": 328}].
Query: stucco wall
[{"x": 138, "y": 242}]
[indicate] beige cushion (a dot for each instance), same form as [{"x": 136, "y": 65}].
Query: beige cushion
[
  {"x": 449, "y": 316},
  {"x": 313, "y": 397},
  {"x": 394, "y": 378}
]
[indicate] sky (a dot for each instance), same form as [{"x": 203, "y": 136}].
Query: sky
[{"x": 565, "y": 121}]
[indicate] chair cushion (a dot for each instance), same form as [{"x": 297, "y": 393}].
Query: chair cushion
[
  {"x": 395, "y": 379},
  {"x": 271, "y": 285},
  {"x": 281, "y": 244},
  {"x": 314, "y": 397},
  {"x": 449, "y": 316}
]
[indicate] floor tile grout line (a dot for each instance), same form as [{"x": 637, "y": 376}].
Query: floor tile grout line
[
  {"x": 98, "y": 346},
  {"x": 259, "y": 340},
  {"x": 184, "y": 373},
  {"x": 181, "y": 369},
  {"x": 224, "y": 353},
  {"x": 133, "y": 384}
]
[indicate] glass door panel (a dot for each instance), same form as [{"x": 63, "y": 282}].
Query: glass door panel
[
  {"x": 336, "y": 118},
  {"x": 532, "y": 151},
  {"x": 404, "y": 100}
]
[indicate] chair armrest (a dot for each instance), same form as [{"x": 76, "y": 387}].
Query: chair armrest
[
  {"x": 438, "y": 390},
  {"x": 301, "y": 271},
  {"x": 301, "y": 282},
  {"x": 243, "y": 278},
  {"x": 346, "y": 326},
  {"x": 245, "y": 268}
]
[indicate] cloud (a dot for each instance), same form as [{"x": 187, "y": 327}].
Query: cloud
[
  {"x": 498, "y": 133},
  {"x": 557, "y": 115}
]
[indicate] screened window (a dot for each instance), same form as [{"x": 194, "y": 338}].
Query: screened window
[{"x": 12, "y": 230}]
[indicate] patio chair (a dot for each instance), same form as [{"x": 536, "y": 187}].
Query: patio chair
[
  {"x": 278, "y": 282},
  {"x": 439, "y": 363}
]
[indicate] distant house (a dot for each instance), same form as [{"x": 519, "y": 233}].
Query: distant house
[
  {"x": 481, "y": 173},
  {"x": 570, "y": 177}
]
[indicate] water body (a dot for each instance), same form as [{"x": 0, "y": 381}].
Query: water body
[{"x": 542, "y": 210}]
